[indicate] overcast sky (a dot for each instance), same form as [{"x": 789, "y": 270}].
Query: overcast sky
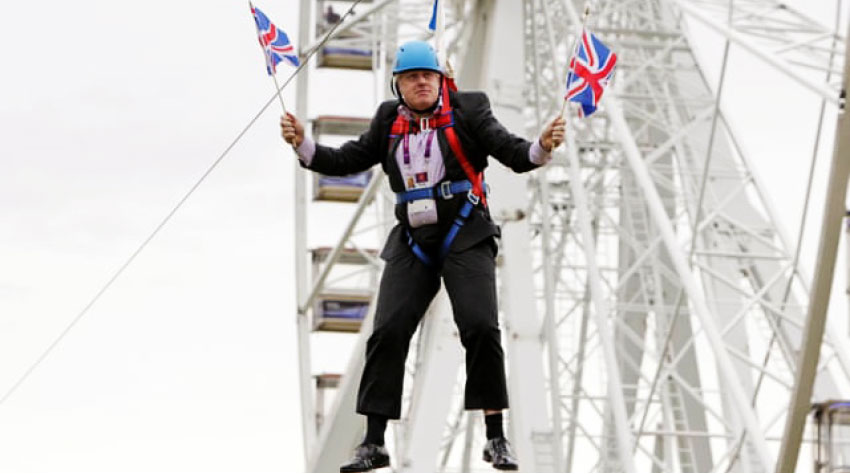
[{"x": 109, "y": 112}]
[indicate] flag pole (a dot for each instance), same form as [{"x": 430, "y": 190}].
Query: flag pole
[
  {"x": 277, "y": 88},
  {"x": 439, "y": 26},
  {"x": 575, "y": 46},
  {"x": 439, "y": 22}
]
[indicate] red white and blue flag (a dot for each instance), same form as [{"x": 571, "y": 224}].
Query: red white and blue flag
[
  {"x": 274, "y": 41},
  {"x": 591, "y": 67}
]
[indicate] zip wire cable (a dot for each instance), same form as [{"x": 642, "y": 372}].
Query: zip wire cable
[{"x": 168, "y": 217}]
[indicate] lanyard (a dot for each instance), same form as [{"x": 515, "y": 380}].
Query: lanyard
[{"x": 406, "y": 147}]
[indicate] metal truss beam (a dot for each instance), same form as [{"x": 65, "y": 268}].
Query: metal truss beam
[
  {"x": 768, "y": 57},
  {"x": 308, "y": 409},
  {"x": 692, "y": 289},
  {"x": 666, "y": 105},
  {"x": 601, "y": 313},
  {"x": 834, "y": 210},
  {"x": 495, "y": 25}
]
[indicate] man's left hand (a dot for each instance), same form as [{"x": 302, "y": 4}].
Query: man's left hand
[{"x": 553, "y": 135}]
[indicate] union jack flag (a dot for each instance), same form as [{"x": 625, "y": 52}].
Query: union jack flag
[
  {"x": 274, "y": 42},
  {"x": 591, "y": 67}
]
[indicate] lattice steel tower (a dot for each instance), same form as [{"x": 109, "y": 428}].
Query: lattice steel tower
[{"x": 651, "y": 304}]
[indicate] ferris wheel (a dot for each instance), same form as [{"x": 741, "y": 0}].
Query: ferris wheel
[{"x": 654, "y": 308}]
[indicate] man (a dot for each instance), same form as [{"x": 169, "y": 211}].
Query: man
[
  {"x": 331, "y": 17},
  {"x": 433, "y": 145}
]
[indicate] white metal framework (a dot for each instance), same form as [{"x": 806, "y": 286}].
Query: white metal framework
[{"x": 652, "y": 305}]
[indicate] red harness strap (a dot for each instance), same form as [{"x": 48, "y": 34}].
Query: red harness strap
[
  {"x": 402, "y": 126},
  {"x": 444, "y": 119}
]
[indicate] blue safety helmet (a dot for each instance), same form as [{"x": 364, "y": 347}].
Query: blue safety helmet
[
  {"x": 411, "y": 56},
  {"x": 416, "y": 55}
]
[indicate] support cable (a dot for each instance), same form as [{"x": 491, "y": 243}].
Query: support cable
[{"x": 171, "y": 213}]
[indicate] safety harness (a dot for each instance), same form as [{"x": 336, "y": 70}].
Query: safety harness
[{"x": 473, "y": 186}]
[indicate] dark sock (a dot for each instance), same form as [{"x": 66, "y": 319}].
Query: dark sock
[
  {"x": 494, "y": 425},
  {"x": 375, "y": 427}
]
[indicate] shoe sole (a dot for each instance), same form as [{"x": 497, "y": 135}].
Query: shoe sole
[
  {"x": 506, "y": 468},
  {"x": 376, "y": 466},
  {"x": 488, "y": 458}
]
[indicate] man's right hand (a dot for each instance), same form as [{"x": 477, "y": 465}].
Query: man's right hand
[{"x": 291, "y": 130}]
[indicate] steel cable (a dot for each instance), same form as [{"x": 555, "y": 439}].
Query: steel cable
[{"x": 174, "y": 210}]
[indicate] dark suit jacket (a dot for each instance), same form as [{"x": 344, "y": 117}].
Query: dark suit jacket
[{"x": 480, "y": 134}]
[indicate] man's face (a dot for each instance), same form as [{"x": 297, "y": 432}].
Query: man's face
[{"x": 419, "y": 88}]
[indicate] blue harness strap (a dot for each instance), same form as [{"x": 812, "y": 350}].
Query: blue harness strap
[
  {"x": 465, "y": 210},
  {"x": 445, "y": 190},
  {"x": 417, "y": 250},
  {"x": 450, "y": 189}
]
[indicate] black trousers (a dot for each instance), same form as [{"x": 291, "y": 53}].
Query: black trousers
[{"x": 407, "y": 288}]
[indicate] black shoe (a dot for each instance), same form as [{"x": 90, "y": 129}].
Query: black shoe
[
  {"x": 367, "y": 457},
  {"x": 498, "y": 451}
]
